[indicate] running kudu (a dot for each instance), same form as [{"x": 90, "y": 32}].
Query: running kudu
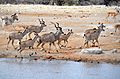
[
  {"x": 93, "y": 34},
  {"x": 28, "y": 43},
  {"x": 36, "y": 29},
  {"x": 64, "y": 37},
  {"x": 16, "y": 36}
]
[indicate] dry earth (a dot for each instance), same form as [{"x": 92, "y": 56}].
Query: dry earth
[{"x": 77, "y": 18}]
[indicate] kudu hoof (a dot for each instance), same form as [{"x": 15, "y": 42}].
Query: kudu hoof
[
  {"x": 15, "y": 48},
  {"x": 93, "y": 46},
  {"x": 21, "y": 57},
  {"x": 62, "y": 45},
  {"x": 45, "y": 50},
  {"x": 57, "y": 51},
  {"x": 48, "y": 51},
  {"x": 15, "y": 56}
]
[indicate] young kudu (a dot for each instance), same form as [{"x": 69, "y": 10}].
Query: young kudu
[
  {"x": 64, "y": 37},
  {"x": 28, "y": 43}
]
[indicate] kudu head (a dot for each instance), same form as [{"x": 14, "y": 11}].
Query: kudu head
[
  {"x": 42, "y": 22},
  {"x": 70, "y": 31},
  {"x": 101, "y": 27},
  {"x": 15, "y": 16}
]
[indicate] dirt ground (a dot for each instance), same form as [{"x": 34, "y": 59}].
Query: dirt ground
[{"x": 76, "y": 18}]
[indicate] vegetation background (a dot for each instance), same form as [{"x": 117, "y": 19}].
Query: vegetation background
[{"x": 63, "y": 2}]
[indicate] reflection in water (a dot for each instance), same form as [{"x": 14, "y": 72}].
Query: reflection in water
[{"x": 56, "y": 69}]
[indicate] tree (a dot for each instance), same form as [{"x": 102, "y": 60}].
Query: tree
[{"x": 106, "y": 2}]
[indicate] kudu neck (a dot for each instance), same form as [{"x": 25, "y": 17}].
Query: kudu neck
[
  {"x": 13, "y": 19},
  {"x": 24, "y": 33},
  {"x": 69, "y": 33},
  {"x": 57, "y": 34}
]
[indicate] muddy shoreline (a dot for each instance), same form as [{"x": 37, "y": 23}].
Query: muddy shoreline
[{"x": 70, "y": 56}]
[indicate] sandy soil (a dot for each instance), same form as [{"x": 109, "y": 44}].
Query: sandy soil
[{"x": 76, "y": 18}]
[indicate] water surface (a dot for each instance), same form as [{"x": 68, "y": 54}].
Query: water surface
[{"x": 56, "y": 69}]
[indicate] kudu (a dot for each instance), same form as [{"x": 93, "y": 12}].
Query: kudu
[
  {"x": 113, "y": 14},
  {"x": 50, "y": 37},
  {"x": 93, "y": 34},
  {"x": 16, "y": 36},
  {"x": 36, "y": 29},
  {"x": 117, "y": 27},
  {"x": 28, "y": 43},
  {"x": 64, "y": 37},
  {"x": 9, "y": 20}
]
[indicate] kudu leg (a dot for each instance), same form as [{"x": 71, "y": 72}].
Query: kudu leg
[
  {"x": 8, "y": 43},
  {"x": 59, "y": 43},
  {"x": 43, "y": 47},
  {"x": 115, "y": 29},
  {"x": 66, "y": 42},
  {"x": 38, "y": 43},
  {"x": 97, "y": 42},
  {"x": 20, "y": 50},
  {"x": 93, "y": 43},
  {"x": 20, "y": 53},
  {"x": 19, "y": 41},
  {"x": 86, "y": 42},
  {"x": 29, "y": 35},
  {"x": 49, "y": 46},
  {"x": 13, "y": 44},
  {"x": 55, "y": 46}
]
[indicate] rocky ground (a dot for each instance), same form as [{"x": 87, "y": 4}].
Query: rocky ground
[{"x": 77, "y": 18}]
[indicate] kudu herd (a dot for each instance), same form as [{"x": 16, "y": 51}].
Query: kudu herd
[{"x": 90, "y": 35}]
